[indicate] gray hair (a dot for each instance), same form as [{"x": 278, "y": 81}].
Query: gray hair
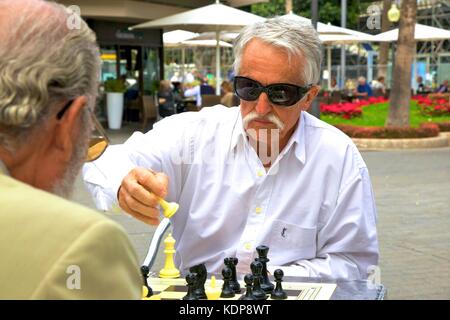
[
  {"x": 43, "y": 62},
  {"x": 295, "y": 37}
]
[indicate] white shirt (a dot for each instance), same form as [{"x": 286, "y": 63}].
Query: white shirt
[{"x": 314, "y": 208}]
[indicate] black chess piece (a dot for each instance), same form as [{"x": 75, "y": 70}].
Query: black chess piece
[
  {"x": 258, "y": 292},
  {"x": 191, "y": 279},
  {"x": 248, "y": 279},
  {"x": 266, "y": 285},
  {"x": 278, "y": 293},
  {"x": 145, "y": 271},
  {"x": 231, "y": 263},
  {"x": 227, "y": 291},
  {"x": 202, "y": 275}
]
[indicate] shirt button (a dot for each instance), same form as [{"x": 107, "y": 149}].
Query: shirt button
[
  {"x": 258, "y": 209},
  {"x": 260, "y": 173},
  {"x": 248, "y": 246}
]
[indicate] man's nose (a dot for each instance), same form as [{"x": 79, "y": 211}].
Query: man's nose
[{"x": 263, "y": 105}]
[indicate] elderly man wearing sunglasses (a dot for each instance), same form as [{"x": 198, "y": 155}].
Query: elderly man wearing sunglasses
[
  {"x": 266, "y": 173},
  {"x": 52, "y": 248}
]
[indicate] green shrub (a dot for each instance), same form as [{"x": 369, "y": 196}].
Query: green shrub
[
  {"x": 425, "y": 130},
  {"x": 115, "y": 85}
]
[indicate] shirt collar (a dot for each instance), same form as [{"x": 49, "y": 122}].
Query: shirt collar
[
  {"x": 3, "y": 168},
  {"x": 297, "y": 138}
]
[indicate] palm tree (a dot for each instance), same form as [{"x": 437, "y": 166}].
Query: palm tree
[
  {"x": 384, "y": 46},
  {"x": 406, "y": 47}
]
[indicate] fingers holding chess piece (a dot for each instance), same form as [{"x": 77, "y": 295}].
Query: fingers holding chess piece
[{"x": 278, "y": 293}]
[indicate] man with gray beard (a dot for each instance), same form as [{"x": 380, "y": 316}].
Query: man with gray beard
[
  {"x": 52, "y": 248},
  {"x": 263, "y": 173}
]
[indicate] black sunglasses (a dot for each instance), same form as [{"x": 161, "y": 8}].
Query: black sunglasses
[{"x": 280, "y": 94}]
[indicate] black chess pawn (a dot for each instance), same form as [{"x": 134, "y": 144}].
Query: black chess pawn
[
  {"x": 248, "y": 279},
  {"x": 266, "y": 285},
  {"x": 191, "y": 279},
  {"x": 202, "y": 275},
  {"x": 278, "y": 293},
  {"x": 145, "y": 271},
  {"x": 227, "y": 291},
  {"x": 258, "y": 292},
  {"x": 231, "y": 263}
]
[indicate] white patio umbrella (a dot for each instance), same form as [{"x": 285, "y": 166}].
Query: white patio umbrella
[
  {"x": 421, "y": 33},
  {"x": 215, "y": 17},
  {"x": 177, "y": 36},
  {"x": 330, "y": 39},
  {"x": 183, "y": 39}
]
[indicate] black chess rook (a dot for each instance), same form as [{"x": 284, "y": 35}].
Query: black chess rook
[{"x": 231, "y": 263}]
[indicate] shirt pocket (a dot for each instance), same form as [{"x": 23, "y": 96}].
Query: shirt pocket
[{"x": 291, "y": 242}]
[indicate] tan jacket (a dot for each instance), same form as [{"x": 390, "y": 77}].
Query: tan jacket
[{"x": 50, "y": 247}]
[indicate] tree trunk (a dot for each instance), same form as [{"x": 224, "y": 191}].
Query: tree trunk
[
  {"x": 401, "y": 88},
  {"x": 288, "y": 6},
  {"x": 384, "y": 46}
]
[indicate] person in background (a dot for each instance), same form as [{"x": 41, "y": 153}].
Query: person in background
[
  {"x": 379, "y": 87},
  {"x": 167, "y": 100},
  {"x": 334, "y": 86},
  {"x": 420, "y": 86},
  {"x": 227, "y": 94},
  {"x": 443, "y": 88},
  {"x": 363, "y": 90}
]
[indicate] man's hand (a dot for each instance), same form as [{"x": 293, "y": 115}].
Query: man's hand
[{"x": 138, "y": 194}]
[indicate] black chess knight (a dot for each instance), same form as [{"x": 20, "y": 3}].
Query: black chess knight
[{"x": 202, "y": 274}]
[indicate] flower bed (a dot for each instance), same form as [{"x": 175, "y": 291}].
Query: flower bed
[
  {"x": 433, "y": 104},
  {"x": 444, "y": 126},
  {"x": 426, "y": 130},
  {"x": 349, "y": 110}
]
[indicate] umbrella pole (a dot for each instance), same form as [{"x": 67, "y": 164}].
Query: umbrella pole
[
  {"x": 218, "y": 79},
  {"x": 329, "y": 66},
  {"x": 183, "y": 62}
]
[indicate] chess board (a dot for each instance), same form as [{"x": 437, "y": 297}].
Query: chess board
[{"x": 176, "y": 289}]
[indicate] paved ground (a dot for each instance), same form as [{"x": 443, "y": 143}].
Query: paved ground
[{"x": 412, "y": 194}]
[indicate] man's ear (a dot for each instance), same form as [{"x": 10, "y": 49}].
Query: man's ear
[
  {"x": 312, "y": 93},
  {"x": 67, "y": 127}
]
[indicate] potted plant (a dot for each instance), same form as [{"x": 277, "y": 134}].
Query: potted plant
[{"x": 114, "y": 89}]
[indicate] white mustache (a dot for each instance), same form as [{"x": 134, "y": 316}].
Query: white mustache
[{"x": 269, "y": 117}]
